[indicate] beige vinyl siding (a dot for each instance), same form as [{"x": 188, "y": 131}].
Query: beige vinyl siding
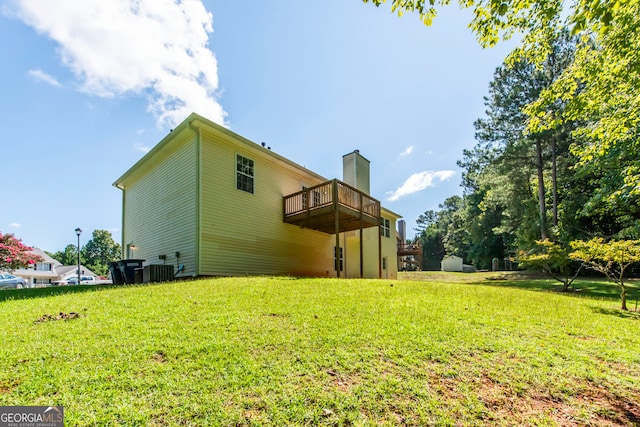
[
  {"x": 182, "y": 197},
  {"x": 369, "y": 254},
  {"x": 390, "y": 249},
  {"x": 160, "y": 207},
  {"x": 243, "y": 233},
  {"x": 370, "y": 251},
  {"x": 352, "y": 253}
]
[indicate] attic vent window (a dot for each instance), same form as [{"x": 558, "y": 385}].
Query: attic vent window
[{"x": 244, "y": 174}]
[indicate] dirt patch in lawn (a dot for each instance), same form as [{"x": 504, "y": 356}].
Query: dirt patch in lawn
[
  {"x": 593, "y": 405},
  {"x": 53, "y": 317}
]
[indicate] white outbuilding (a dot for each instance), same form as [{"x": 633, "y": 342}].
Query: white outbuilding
[{"x": 451, "y": 263}]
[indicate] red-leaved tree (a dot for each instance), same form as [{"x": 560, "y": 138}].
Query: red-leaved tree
[{"x": 14, "y": 254}]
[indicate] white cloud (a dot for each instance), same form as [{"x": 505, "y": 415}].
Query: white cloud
[
  {"x": 44, "y": 77},
  {"x": 419, "y": 181},
  {"x": 14, "y": 225},
  {"x": 407, "y": 151},
  {"x": 142, "y": 148},
  {"x": 158, "y": 48}
]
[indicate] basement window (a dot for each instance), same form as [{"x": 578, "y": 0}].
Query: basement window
[
  {"x": 338, "y": 259},
  {"x": 244, "y": 174}
]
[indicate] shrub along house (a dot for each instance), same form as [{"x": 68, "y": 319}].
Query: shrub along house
[{"x": 219, "y": 204}]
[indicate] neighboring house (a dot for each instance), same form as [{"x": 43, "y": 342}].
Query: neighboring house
[
  {"x": 68, "y": 271},
  {"x": 219, "y": 205},
  {"x": 49, "y": 271},
  {"x": 41, "y": 273},
  {"x": 451, "y": 263}
]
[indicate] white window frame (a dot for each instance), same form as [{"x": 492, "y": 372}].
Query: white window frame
[
  {"x": 245, "y": 173},
  {"x": 385, "y": 227}
]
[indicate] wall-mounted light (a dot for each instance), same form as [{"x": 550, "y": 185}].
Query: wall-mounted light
[{"x": 130, "y": 248}]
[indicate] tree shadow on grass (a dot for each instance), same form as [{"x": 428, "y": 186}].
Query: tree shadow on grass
[
  {"x": 18, "y": 294},
  {"x": 541, "y": 285},
  {"x": 630, "y": 314},
  {"x": 583, "y": 287}
]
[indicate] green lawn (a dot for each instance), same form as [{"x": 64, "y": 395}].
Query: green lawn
[
  {"x": 434, "y": 350},
  {"x": 590, "y": 287}
]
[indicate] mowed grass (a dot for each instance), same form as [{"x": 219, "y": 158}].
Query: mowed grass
[
  {"x": 589, "y": 287},
  {"x": 284, "y": 351}
]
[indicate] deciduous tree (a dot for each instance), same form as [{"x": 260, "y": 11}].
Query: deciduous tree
[
  {"x": 430, "y": 238},
  {"x": 511, "y": 177},
  {"x": 598, "y": 90},
  {"x": 609, "y": 258},
  {"x": 100, "y": 250},
  {"x": 96, "y": 254},
  {"x": 69, "y": 256},
  {"x": 442, "y": 233},
  {"x": 14, "y": 254},
  {"x": 553, "y": 259}
]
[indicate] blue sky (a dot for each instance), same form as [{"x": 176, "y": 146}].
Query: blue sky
[{"x": 89, "y": 86}]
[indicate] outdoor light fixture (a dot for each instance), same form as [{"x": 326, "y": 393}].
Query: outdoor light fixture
[
  {"x": 130, "y": 248},
  {"x": 78, "y": 233}
]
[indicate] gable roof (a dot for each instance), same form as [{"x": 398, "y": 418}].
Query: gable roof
[
  {"x": 192, "y": 124},
  {"x": 195, "y": 122},
  {"x": 384, "y": 211},
  {"x": 45, "y": 257},
  {"x": 66, "y": 269}
]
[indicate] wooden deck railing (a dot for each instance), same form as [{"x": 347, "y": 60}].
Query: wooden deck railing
[
  {"x": 325, "y": 194},
  {"x": 409, "y": 249}
]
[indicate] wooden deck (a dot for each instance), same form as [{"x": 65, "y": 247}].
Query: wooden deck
[
  {"x": 409, "y": 255},
  {"x": 405, "y": 249},
  {"x": 331, "y": 207}
]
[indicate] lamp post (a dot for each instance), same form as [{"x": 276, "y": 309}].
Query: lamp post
[{"x": 78, "y": 233}]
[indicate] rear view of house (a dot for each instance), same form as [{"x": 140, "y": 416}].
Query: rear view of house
[{"x": 218, "y": 204}]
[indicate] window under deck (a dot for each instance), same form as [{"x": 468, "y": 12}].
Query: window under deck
[{"x": 331, "y": 207}]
